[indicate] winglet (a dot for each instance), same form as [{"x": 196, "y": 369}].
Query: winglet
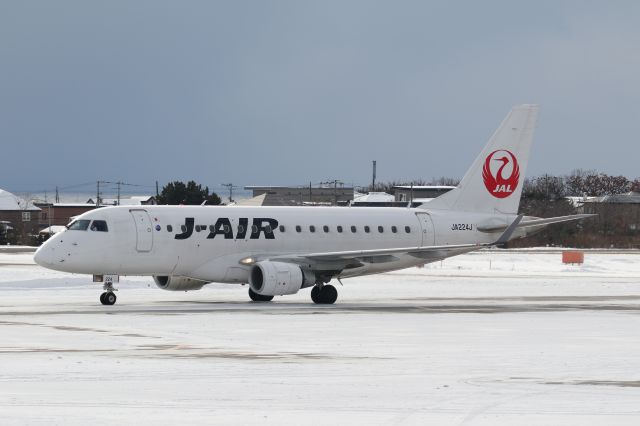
[{"x": 509, "y": 231}]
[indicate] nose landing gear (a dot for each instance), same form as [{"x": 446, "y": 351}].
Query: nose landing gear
[{"x": 108, "y": 297}]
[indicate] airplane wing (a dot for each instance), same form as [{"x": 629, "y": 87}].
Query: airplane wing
[{"x": 429, "y": 253}]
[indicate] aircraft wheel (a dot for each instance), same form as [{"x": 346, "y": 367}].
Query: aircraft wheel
[
  {"x": 109, "y": 298},
  {"x": 259, "y": 297},
  {"x": 328, "y": 294},
  {"x": 102, "y": 298},
  {"x": 325, "y": 295},
  {"x": 315, "y": 294}
]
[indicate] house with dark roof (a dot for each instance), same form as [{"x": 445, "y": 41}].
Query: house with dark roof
[{"x": 18, "y": 219}]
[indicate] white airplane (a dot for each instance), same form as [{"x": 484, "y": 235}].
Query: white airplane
[{"x": 280, "y": 250}]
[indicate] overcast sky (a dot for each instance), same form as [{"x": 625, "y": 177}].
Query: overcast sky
[{"x": 279, "y": 93}]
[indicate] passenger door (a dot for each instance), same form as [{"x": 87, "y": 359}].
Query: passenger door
[{"x": 144, "y": 230}]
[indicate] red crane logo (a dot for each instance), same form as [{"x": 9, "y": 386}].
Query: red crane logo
[{"x": 497, "y": 184}]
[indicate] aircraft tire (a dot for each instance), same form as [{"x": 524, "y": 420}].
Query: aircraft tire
[
  {"x": 315, "y": 294},
  {"x": 325, "y": 295},
  {"x": 328, "y": 294},
  {"x": 102, "y": 298},
  {"x": 259, "y": 297},
  {"x": 110, "y": 298}
]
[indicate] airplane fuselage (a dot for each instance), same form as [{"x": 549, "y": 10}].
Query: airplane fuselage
[{"x": 209, "y": 242}]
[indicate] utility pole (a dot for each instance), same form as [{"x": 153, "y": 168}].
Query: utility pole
[
  {"x": 411, "y": 199},
  {"x": 57, "y": 195},
  {"x": 373, "y": 183},
  {"x": 335, "y": 183},
  {"x": 118, "y": 184},
  {"x": 230, "y": 186},
  {"x": 157, "y": 192}
]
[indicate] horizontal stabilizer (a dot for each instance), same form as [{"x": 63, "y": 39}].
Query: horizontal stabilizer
[
  {"x": 534, "y": 222},
  {"x": 509, "y": 231}
]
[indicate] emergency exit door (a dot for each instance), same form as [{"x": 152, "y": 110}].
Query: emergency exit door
[
  {"x": 144, "y": 231},
  {"x": 428, "y": 233}
]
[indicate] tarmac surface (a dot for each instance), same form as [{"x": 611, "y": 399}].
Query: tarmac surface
[{"x": 487, "y": 338}]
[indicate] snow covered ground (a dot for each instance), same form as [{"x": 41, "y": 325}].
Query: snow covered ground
[{"x": 500, "y": 337}]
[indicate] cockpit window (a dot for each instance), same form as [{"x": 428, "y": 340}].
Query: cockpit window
[
  {"x": 99, "y": 225},
  {"x": 78, "y": 225}
]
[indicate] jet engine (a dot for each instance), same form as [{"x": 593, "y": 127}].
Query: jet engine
[
  {"x": 177, "y": 283},
  {"x": 279, "y": 278}
]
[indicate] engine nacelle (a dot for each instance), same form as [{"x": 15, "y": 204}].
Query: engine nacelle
[
  {"x": 279, "y": 278},
  {"x": 172, "y": 283}
]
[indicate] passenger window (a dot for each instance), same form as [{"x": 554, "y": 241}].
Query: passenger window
[
  {"x": 298, "y": 228},
  {"x": 380, "y": 229},
  {"x": 312, "y": 228},
  {"x": 197, "y": 228},
  {"x": 281, "y": 228},
  {"x": 407, "y": 229},
  {"x": 169, "y": 228},
  {"x": 183, "y": 228},
  {"x": 78, "y": 225},
  {"x": 367, "y": 229},
  {"x": 240, "y": 229},
  {"x": 226, "y": 229},
  {"x": 353, "y": 229},
  {"x": 394, "y": 229},
  {"x": 325, "y": 228},
  {"x": 340, "y": 229},
  {"x": 267, "y": 229},
  {"x": 254, "y": 229},
  {"x": 99, "y": 225}
]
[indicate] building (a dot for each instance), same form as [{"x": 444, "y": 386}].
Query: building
[
  {"x": 19, "y": 219},
  {"x": 303, "y": 195},
  {"x": 379, "y": 199},
  {"x": 60, "y": 214},
  {"x": 618, "y": 214},
  {"x": 422, "y": 193},
  {"x": 373, "y": 197},
  {"x": 136, "y": 200}
]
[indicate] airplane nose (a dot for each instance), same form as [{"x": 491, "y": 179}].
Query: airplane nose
[{"x": 44, "y": 256}]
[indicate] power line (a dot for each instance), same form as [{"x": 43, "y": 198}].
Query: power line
[{"x": 119, "y": 184}]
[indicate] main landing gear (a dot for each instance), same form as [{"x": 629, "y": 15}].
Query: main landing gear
[
  {"x": 108, "y": 297},
  {"x": 324, "y": 294}
]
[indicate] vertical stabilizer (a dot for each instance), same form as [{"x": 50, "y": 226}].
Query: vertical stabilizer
[{"x": 494, "y": 182}]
